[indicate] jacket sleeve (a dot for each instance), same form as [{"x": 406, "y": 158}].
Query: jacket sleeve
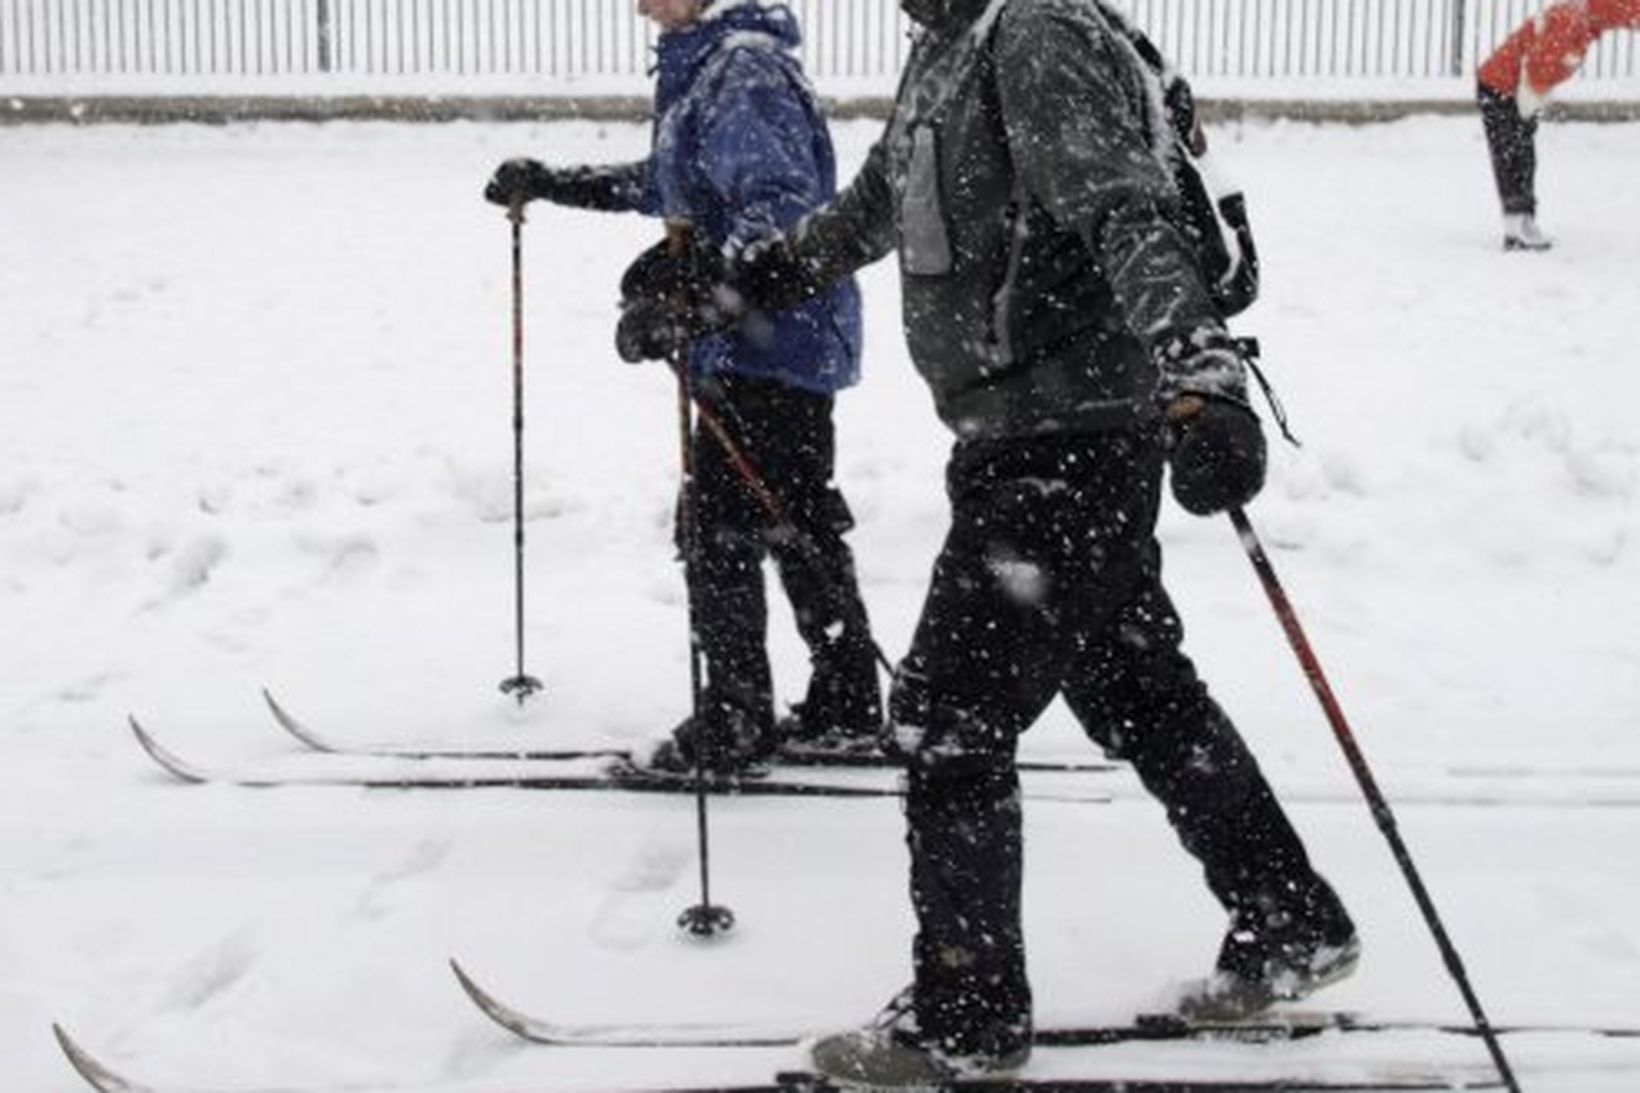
[
  {"x": 855, "y": 229},
  {"x": 1076, "y": 131},
  {"x": 1614, "y": 14},
  {"x": 616, "y": 187}
]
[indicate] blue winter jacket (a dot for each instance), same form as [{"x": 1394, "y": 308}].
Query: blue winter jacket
[{"x": 741, "y": 151}]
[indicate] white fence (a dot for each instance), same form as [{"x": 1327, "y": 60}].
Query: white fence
[{"x": 179, "y": 40}]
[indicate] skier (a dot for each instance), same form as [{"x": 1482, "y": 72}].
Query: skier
[
  {"x": 740, "y": 150},
  {"x": 1060, "y": 317},
  {"x": 1515, "y": 82}
]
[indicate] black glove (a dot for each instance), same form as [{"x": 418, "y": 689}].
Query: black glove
[
  {"x": 661, "y": 270},
  {"x": 669, "y": 298},
  {"x": 522, "y": 179},
  {"x": 1217, "y": 454},
  {"x": 649, "y": 330},
  {"x": 770, "y": 277}
]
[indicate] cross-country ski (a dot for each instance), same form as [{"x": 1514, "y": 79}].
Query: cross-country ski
[
  {"x": 106, "y": 1080},
  {"x": 1274, "y": 1027},
  {"x": 596, "y": 770},
  {"x": 311, "y": 739},
  {"x": 754, "y": 784}
]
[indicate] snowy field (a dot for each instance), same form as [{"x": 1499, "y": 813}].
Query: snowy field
[{"x": 255, "y": 430}]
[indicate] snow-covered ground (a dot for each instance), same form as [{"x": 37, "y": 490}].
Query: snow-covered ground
[{"x": 254, "y": 430}]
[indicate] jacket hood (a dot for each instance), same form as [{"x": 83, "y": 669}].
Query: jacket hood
[
  {"x": 679, "y": 53},
  {"x": 771, "y": 17},
  {"x": 943, "y": 14}
]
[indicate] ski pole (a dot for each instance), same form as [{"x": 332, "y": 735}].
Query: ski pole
[
  {"x": 519, "y": 684},
  {"x": 1379, "y": 807},
  {"x": 704, "y": 919}
]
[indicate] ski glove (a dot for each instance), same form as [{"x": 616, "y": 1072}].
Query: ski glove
[
  {"x": 1216, "y": 452},
  {"x": 614, "y": 188},
  {"x": 524, "y": 179},
  {"x": 768, "y": 276},
  {"x": 670, "y": 298}
]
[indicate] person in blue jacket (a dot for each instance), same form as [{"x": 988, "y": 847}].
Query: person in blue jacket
[{"x": 740, "y": 152}]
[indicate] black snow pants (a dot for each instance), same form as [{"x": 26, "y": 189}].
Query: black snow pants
[
  {"x": 1512, "y": 142},
  {"x": 785, "y": 434},
  {"x": 1048, "y": 583}
]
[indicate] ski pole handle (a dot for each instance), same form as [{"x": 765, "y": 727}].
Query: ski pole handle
[{"x": 677, "y": 237}]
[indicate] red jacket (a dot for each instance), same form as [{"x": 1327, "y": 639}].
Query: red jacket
[{"x": 1550, "y": 46}]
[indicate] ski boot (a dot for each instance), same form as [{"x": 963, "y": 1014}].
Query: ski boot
[
  {"x": 807, "y": 737},
  {"x": 841, "y": 716},
  {"x": 893, "y": 1052},
  {"x": 1275, "y": 956},
  {"x": 728, "y": 742}
]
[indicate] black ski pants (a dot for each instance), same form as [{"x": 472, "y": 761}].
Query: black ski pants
[
  {"x": 786, "y": 437},
  {"x": 1511, "y": 140},
  {"x": 1049, "y": 583}
]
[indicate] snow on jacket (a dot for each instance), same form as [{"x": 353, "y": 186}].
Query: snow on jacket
[
  {"x": 741, "y": 151},
  {"x": 1544, "y": 51},
  {"x": 1020, "y": 177}
]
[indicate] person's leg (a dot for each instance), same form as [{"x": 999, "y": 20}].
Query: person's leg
[
  {"x": 816, "y": 568},
  {"x": 1035, "y": 528},
  {"x": 971, "y": 683},
  {"x": 968, "y": 1009},
  {"x": 729, "y": 614},
  {"x": 1511, "y": 141},
  {"x": 1138, "y": 695}
]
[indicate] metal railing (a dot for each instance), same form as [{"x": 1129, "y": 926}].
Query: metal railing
[{"x": 845, "y": 39}]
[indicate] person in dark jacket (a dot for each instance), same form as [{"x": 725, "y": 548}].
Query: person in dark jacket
[
  {"x": 740, "y": 151},
  {"x": 1064, "y": 326}
]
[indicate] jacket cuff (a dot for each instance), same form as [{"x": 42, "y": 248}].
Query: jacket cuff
[{"x": 1205, "y": 363}]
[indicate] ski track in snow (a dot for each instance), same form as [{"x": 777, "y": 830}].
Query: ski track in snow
[{"x": 255, "y": 431}]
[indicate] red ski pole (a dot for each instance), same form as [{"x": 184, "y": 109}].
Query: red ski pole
[{"x": 1381, "y": 813}]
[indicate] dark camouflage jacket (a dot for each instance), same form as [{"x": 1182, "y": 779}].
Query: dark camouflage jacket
[{"x": 1045, "y": 287}]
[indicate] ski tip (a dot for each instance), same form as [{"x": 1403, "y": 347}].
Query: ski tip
[
  {"x": 294, "y": 727},
  {"x": 499, "y": 1012},
  {"x": 66, "y": 1042},
  {"x": 477, "y": 993},
  {"x": 83, "y": 1064},
  {"x": 173, "y": 765},
  {"x": 87, "y": 1067}
]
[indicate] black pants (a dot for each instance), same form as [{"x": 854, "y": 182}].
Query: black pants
[
  {"x": 1512, "y": 142},
  {"x": 785, "y": 434},
  {"x": 1049, "y": 582}
]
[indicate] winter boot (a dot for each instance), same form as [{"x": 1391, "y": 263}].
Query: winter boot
[
  {"x": 808, "y": 737},
  {"x": 727, "y": 739},
  {"x": 1275, "y": 955},
  {"x": 1520, "y": 232},
  {"x": 893, "y": 1052},
  {"x": 842, "y": 714},
  {"x": 1231, "y": 996}
]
